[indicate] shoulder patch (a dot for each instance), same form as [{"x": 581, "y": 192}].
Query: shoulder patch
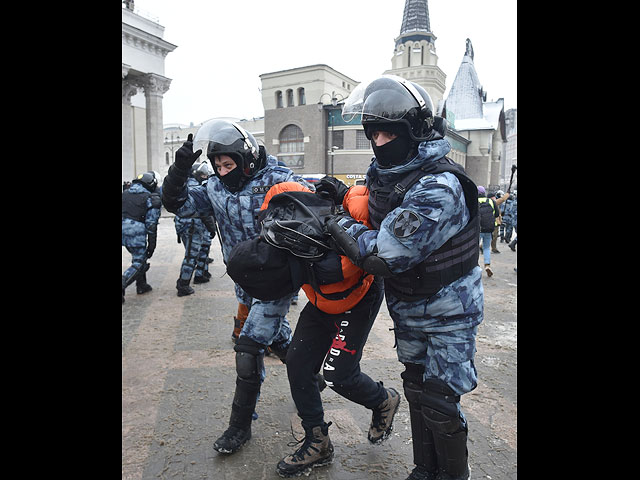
[{"x": 406, "y": 224}]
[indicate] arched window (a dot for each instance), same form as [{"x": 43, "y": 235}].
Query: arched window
[
  {"x": 301, "y": 99},
  {"x": 289, "y": 98},
  {"x": 291, "y": 150},
  {"x": 278, "y": 99}
]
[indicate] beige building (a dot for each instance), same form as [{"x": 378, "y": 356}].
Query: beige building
[
  {"x": 143, "y": 54},
  {"x": 303, "y": 125}
]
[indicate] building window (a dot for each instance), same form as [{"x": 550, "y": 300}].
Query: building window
[
  {"x": 167, "y": 158},
  {"x": 338, "y": 139},
  {"x": 289, "y": 98},
  {"x": 291, "y": 146},
  {"x": 362, "y": 142},
  {"x": 278, "y": 99},
  {"x": 301, "y": 99}
]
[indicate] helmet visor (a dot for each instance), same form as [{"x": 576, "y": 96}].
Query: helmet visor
[
  {"x": 223, "y": 132},
  {"x": 385, "y": 98}
]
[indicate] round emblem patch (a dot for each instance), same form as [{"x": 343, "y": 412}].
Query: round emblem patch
[{"x": 406, "y": 224}]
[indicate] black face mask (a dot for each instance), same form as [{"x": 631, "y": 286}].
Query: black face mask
[
  {"x": 232, "y": 180},
  {"x": 394, "y": 152}
]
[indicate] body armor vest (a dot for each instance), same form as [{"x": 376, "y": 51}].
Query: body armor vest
[
  {"x": 134, "y": 205},
  {"x": 455, "y": 258}
]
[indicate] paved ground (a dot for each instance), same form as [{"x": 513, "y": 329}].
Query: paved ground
[{"x": 178, "y": 378}]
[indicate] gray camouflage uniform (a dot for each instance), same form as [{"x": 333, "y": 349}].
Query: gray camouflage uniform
[
  {"x": 437, "y": 332},
  {"x": 236, "y": 215}
]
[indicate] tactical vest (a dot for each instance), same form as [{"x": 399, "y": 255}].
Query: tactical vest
[
  {"x": 454, "y": 259},
  {"x": 134, "y": 205}
]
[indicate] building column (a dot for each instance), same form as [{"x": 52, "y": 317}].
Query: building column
[
  {"x": 155, "y": 87},
  {"x": 128, "y": 91}
]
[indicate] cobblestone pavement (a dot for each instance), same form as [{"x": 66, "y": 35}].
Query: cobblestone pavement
[{"x": 178, "y": 379}]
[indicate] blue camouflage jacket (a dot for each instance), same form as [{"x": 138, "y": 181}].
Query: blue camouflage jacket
[
  {"x": 183, "y": 224},
  {"x": 237, "y": 213},
  {"x": 134, "y": 233},
  {"x": 439, "y": 204}
]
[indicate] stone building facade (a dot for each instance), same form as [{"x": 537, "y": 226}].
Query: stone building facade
[{"x": 143, "y": 54}]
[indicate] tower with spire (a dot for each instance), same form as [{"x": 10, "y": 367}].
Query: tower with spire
[{"x": 414, "y": 54}]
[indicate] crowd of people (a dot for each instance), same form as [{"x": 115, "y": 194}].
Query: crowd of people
[{"x": 385, "y": 240}]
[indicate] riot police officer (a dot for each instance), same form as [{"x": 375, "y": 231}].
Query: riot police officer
[
  {"x": 195, "y": 233},
  {"x": 140, "y": 215},
  {"x": 243, "y": 175},
  {"x": 424, "y": 243}
]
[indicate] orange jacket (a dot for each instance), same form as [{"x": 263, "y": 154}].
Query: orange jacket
[{"x": 356, "y": 204}]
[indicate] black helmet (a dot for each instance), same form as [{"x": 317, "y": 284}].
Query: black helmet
[
  {"x": 149, "y": 180},
  {"x": 392, "y": 101},
  {"x": 201, "y": 171},
  {"x": 222, "y": 137}
]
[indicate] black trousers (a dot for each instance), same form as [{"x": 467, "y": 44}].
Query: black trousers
[{"x": 340, "y": 338}]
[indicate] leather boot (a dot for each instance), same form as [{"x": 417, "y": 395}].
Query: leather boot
[
  {"x": 242, "y": 408},
  {"x": 141, "y": 284},
  {"x": 382, "y": 417},
  {"x": 316, "y": 451},
  {"x": 184, "y": 288}
]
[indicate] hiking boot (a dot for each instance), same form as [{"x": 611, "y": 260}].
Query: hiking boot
[
  {"x": 421, "y": 473},
  {"x": 316, "y": 451},
  {"x": 487, "y": 269},
  {"x": 201, "y": 279},
  {"x": 512, "y": 246},
  {"x": 232, "y": 439},
  {"x": 184, "y": 288},
  {"x": 382, "y": 418}
]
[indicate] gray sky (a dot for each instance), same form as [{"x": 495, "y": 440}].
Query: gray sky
[{"x": 224, "y": 45}]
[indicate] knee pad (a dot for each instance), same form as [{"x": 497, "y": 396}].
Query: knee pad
[
  {"x": 412, "y": 382},
  {"x": 249, "y": 359},
  {"x": 440, "y": 407}
]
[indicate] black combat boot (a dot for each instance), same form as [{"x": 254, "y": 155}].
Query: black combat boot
[
  {"x": 424, "y": 452},
  {"x": 184, "y": 288},
  {"x": 141, "y": 284},
  {"x": 242, "y": 408},
  {"x": 316, "y": 451}
]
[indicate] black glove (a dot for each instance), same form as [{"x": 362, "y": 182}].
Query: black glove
[
  {"x": 151, "y": 244},
  {"x": 331, "y": 188},
  {"x": 185, "y": 155}
]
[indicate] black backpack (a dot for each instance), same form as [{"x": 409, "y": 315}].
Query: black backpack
[{"x": 487, "y": 216}]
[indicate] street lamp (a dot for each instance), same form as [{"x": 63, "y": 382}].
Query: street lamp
[
  {"x": 321, "y": 107},
  {"x": 177, "y": 140}
]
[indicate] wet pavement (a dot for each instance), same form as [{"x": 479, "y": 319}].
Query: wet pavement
[{"x": 178, "y": 379}]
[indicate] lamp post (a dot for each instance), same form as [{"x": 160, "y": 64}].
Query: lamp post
[
  {"x": 321, "y": 107},
  {"x": 171, "y": 140}
]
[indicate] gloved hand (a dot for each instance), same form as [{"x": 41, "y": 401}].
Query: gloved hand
[
  {"x": 185, "y": 156},
  {"x": 151, "y": 244},
  {"x": 331, "y": 188}
]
